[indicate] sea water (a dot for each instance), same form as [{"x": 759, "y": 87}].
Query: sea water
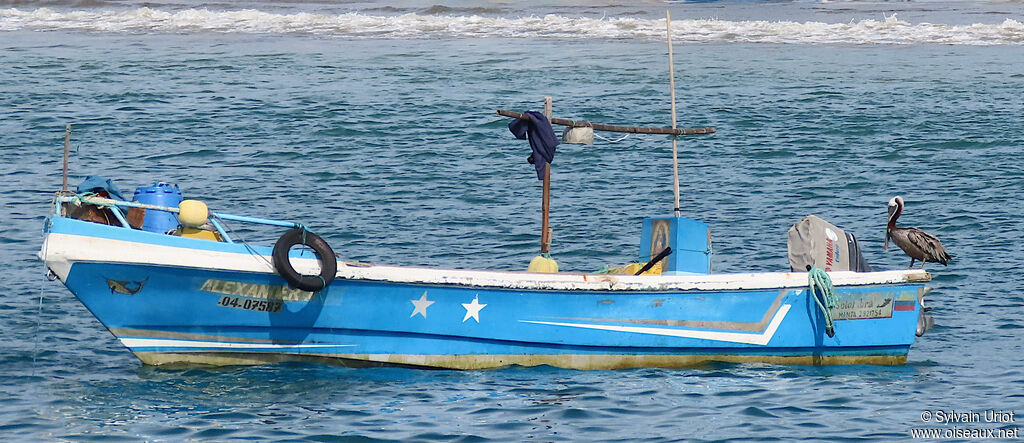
[{"x": 374, "y": 123}]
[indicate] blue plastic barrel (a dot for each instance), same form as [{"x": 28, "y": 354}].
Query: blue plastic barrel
[{"x": 160, "y": 194}]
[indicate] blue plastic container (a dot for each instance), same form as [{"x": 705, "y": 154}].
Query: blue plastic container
[{"x": 160, "y": 194}]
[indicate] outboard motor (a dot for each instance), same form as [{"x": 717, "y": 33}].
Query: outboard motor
[{"x": 816, "y": 242}]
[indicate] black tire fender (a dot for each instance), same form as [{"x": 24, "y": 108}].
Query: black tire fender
[{"x": 323, "y": 251}]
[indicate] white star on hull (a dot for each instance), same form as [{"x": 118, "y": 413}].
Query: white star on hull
[
  {"x": 473, "y": 309},
  {"x": 421, "y": 305}
]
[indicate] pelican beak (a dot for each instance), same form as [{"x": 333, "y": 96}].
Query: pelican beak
[{"x": 892, "y": 211}]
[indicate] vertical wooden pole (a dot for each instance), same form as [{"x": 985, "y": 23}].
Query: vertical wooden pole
[
  {"x": 545, "y": 206},
  {"x": 67, "y": 150},
  {"x": 672, "y": 86}
]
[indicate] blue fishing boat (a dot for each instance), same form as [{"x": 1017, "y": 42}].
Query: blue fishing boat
[{"x": 194, "y": 295}]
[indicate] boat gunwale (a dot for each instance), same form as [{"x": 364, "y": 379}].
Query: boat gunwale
[{"x": 74, "y": 247}]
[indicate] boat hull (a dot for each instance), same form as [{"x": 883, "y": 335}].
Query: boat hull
[{"x": 184, "y": 301}]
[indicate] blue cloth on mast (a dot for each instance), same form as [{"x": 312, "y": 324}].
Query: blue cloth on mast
[
  {"x": 95, "y": 183},
  {"x": 542, "y": 139}
]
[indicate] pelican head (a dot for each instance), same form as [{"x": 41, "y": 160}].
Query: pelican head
[{"x": 895, "y": 207}]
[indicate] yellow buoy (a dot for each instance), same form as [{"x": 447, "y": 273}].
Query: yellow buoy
[
  {"x": 543, "y": 264},
  {"x": 632, "y": 268},
  {"x": 200, "y": 234},
  {"x": 629, "y": 269},
  {"x": 192, "y": 213}
]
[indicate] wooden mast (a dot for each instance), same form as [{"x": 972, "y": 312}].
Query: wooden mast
[
  {"x": 67, "y": 151},
  {"x": 672, "y": 87},
  {"x": 545, "y": 206}
]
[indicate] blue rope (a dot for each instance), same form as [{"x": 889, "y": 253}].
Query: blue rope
[{"x": 817, "y": 278}]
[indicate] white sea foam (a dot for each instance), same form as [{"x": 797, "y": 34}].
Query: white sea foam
[{"x": 889, "y": 30}]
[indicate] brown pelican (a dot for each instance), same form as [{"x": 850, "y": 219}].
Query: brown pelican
[{"x": 919, "y": 245}]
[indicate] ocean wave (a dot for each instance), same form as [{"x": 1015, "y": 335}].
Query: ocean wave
[{"x": 889, "y": 30}]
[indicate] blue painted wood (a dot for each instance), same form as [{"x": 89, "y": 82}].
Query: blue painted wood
[
  {"x": 690, "y": 241},
  {"x": 191, "y": 309}
]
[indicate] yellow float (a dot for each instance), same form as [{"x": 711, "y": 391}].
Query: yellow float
[
  {"x": 192, "y": 215},
  {"x": 543, "y": 264}
]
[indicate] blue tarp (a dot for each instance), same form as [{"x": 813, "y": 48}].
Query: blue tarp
[{"x": 96, "y": 183}]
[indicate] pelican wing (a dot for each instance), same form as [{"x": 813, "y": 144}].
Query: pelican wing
[{"x": 929, "y": 246}]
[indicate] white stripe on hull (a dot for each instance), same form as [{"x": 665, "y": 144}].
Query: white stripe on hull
[
  {"x": 733, "y": 337},
  {"x": 167, "y": 343},
  {"x": 62, "y": 250}
]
